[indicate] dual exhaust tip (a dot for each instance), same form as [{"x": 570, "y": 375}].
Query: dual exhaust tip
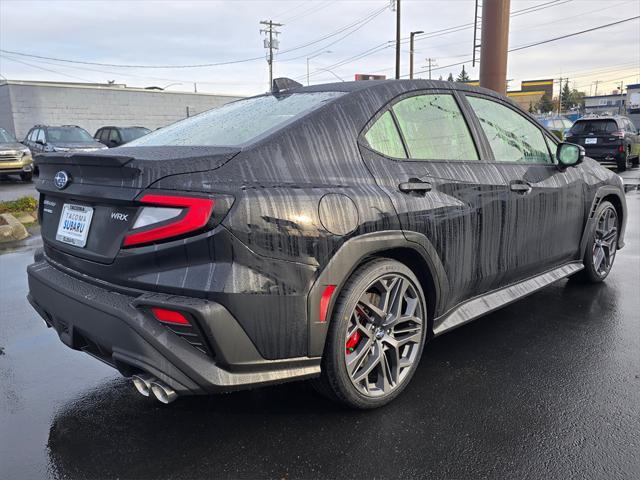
[{"x": 147, "y": 384}]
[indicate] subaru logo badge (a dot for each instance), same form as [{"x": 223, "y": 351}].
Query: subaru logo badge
[{"x": 61, "y": 180}]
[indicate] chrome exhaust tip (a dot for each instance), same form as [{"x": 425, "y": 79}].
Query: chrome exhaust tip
[
  {"x": 162, "y": 392},
  {"x": 142, "y": 382}
]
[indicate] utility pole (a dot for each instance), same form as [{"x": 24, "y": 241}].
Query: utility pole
[
  {"x": 411, "y": 35},
  {"x": 430, "y": 63},
  {"x": 560, "y": 97},
  {"x": 397, "y": 39},
  {"x": 595, "y": 94},
  {"x": 494, "y": 45},
  {"x": 621, "y": 98},
  {"x": 270, "y": 43}
]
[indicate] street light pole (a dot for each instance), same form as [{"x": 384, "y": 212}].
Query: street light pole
[
  {"x": 314, "y": 56},
  {"x": 411, "y": 35}
]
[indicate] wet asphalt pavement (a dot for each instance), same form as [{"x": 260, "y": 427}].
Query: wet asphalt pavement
[{"x": 548, "y": 387}]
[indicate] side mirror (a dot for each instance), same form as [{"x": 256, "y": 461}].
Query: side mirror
[
  {"x": 569, "y": 154},
  {"x": 113, "y": 143},
  {"x": 40, "y": 142}
]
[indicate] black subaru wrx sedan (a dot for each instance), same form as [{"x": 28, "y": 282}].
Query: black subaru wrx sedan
[{"x": 321, "y": 233}]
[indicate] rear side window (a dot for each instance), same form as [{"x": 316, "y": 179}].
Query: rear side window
[
  {"x": 585, "y": 127},
  {"x": 434, "y": 128},
  {"x": 238, "y": 122},
  {"x": 384, "y": 138},
  {"x": 513, "y": 138}
]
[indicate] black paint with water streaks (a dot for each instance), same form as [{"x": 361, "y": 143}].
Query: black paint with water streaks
[{"x": 263, "y": 260}]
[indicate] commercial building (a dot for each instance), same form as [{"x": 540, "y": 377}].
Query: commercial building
[
  {"x": 530, "y": 93},
  {"x": 24, "y": 104},
  {"x": 605, "y": 104}
]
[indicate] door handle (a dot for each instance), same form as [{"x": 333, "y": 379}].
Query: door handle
[
  {"x": 415, "y": 185},
  {"x": 520, "y": 187}
]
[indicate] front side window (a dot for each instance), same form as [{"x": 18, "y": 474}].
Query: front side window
[
  {"x": 114, "y": 136},
  {"x": 40, "y": 136},
  {"x": 434, "y": 128},
  {"x": 512, "y": 137},
  {"x": 384, "y": 138},
  {"x": 239, "y": 122}
]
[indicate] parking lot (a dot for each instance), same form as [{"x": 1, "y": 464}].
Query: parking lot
[{"x": 548, "y": 387}]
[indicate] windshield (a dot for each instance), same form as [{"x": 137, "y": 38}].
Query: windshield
[
  {"x": 238, "y": 122},
  {"x": 6, "y": 137},
  {"x": 131, "y": 133},
  {"x": 594, "y": 126},
  {"x": 68, "y": 135}
]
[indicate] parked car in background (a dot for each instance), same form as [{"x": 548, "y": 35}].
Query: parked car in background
[
  {"x": 610, "y": 140},
  {"x": 325, "y": 232},
  {"x": 558, "y": 125},
  {"x": 64, "y": 138},
  {"x": 15, "y": 158},
  {"x": 116, "y": 136}
]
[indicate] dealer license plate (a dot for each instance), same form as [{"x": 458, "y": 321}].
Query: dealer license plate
[{"x": 74, "y": 224}]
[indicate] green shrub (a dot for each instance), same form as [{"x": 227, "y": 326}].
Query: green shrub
[{"x": 23, "y": 204}]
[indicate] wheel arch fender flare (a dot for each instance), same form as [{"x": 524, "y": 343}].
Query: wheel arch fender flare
[
  {"x": 609, "y": 193},
  {"x": 350, "y": 256}
]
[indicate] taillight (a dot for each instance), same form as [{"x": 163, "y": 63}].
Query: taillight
[
  {"x": 168, "y": 216},
  {"x": 618, "y": 134}
]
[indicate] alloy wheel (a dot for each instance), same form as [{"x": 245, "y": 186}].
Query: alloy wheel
[
  {"x": 605, "y": 242},
  {"x": 384, "y": 335}
]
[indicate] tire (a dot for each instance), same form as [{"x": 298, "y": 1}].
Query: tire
[
  {"x": 602, "y": 239},
  {"x": 375, "y": 337},
  {"x": 26, "y": 177},
  {"x": 623, "y": 163}
]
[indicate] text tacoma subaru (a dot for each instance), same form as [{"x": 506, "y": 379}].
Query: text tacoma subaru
[{"x": 325, "y": 231}]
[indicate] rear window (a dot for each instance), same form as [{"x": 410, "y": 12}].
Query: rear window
[
  {"x": 584, "y": 127},
  {"x": 238, "y": 122},
  {"x": 68, "y": 135}
]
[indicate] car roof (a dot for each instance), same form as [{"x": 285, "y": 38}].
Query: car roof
[{"x": 402, "y": 85}]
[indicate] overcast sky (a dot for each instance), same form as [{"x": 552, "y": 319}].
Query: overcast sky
[{"x": 196, "y": 32}]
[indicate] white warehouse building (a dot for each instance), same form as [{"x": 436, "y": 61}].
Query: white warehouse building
[{"x": 24, "y": 104}]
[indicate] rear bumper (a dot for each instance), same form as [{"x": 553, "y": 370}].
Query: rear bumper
[
  {"x": 118, "y": 330},
  {"x": 604, "y": 154}
]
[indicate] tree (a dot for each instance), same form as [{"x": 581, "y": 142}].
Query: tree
[
  {"x": 450, "y": 77},
  {"x": 464, "y": 76},
  {"x": 531, "y": 110},
  {"x": 565, "y": 99},
  {"x": 440, "y": 78},
  {"x": 545, "y": 104}
]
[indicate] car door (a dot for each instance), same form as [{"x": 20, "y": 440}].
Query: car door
[
  {"x": 546, "y": 205},
  {"x": 426, "y": 156}
]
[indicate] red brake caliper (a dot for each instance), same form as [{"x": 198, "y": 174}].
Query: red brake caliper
[{"x": 352, "y": 341}]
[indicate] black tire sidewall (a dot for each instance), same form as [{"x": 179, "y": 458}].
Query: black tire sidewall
[{"x": 334, "y": 363}]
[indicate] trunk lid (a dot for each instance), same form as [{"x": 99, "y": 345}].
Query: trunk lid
[{"x": 106, "y": 184}]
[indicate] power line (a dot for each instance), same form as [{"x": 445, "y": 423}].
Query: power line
[
  {"x": 437, "y": 33},
  {"x": 202, "y": 65}
]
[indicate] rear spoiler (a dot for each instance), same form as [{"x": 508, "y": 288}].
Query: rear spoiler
[{"x": 82, "y": 159}]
